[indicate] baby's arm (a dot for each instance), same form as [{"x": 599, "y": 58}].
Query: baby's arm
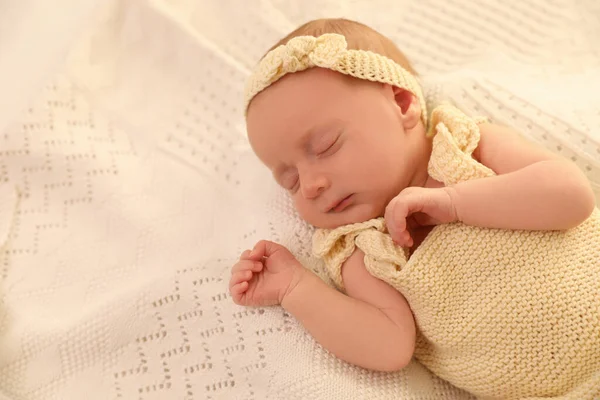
[
  {"x": 372, "y": 327},
  {"x": 534, "y": 189}
]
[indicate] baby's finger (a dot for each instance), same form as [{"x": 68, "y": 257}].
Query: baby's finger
[
  {"x": 396, "y": 227},
  {"x": 245, "y": 265},
  {"x": 265, "y": 248},
  {"x": 245, "y": 254},
  {"x": 238, "y": 290},
  {"x": 414, "y": 201},
  {"x": 398, "y": 216},
  {"x": 257, "y": 266},
  {"x": 389, "y": 210},
  {"x": 240, "y": 276},
  {"x": 403, "y": 239},
  {"x": 408, "y": 240}
]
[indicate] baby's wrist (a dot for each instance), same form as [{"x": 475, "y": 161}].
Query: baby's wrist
[
  {"x": 299, "y": 278},
  {"x": 454, "y": 201}
]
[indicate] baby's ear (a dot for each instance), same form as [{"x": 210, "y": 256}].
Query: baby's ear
[{"x": 409, "y": 106}]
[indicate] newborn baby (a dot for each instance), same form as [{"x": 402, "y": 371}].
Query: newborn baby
[{"x": 448, "y": 238}]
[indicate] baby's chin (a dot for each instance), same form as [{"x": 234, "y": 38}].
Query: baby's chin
[{"x": 352, "y": 215}]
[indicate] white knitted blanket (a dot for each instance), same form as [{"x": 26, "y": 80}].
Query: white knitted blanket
[{"x": 127, "y": 188}]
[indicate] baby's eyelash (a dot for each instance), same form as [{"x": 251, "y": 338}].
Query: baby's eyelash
[
  {"x": 294, "y": 188},
  {"x": 291, "y": 187},
  {"x": 330, "y": 146}
]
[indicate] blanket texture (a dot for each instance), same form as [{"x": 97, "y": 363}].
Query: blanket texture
[{"x": 127, "y": 187}]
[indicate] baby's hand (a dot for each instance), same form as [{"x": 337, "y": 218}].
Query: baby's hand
[
  {"x": 417, "y": 206},
  {"x": 265, "y": 275}
]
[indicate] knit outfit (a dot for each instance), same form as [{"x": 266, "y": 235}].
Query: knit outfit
[
  {"x": 504, "y": 314},
  {"x": 501, "y": 313}
]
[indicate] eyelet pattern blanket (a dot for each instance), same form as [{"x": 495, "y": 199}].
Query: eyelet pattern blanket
[{"x": 128, "y": 189}]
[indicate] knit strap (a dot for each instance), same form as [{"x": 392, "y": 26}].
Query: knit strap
[
  {"x": 455, "y": 138},
  {"x": 335, "y": 246}
]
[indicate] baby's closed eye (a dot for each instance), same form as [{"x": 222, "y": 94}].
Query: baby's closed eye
[
  {"x": 328, "y": 146},
  {"x": 288, "y": 180}
]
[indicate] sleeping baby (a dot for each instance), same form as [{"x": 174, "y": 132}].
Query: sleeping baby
[{"x": 449, "y": 239}]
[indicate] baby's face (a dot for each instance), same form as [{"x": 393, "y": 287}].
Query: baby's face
[{"x": 342, "y": 147}]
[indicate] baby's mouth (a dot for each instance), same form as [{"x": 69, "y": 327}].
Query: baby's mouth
[{"x": 342, "y": 204}]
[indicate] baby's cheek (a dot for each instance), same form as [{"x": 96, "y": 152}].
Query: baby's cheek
[
  {"x": 312, "y": 215},
  {"x": 373, "y": 209},
  {"x": 307, "y": 212}
]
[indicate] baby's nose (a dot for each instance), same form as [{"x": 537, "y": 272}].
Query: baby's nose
[{"x": 312, "y": 187}]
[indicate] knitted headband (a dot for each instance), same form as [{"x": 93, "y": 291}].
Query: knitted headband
[{"x": 330, "y": 51}]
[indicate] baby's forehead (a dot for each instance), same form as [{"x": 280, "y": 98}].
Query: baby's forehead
[
  {"x": 297, "y": 91},
  {"x": 308, "y": 100},
  {"x": 319, "y": 79}
]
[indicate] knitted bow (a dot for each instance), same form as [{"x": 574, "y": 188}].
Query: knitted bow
[
  {"x": 303, "y": 52},
  {"x": 298, "y": 54}
]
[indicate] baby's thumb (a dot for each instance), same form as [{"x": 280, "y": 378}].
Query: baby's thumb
[{"x": 264, "y": 248}]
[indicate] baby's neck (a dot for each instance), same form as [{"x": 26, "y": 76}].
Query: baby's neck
[
  {"x": 421, "y": 177},
  {"x": 432, "y": 183}
]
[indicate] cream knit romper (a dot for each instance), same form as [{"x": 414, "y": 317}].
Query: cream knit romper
[{"x": 501, "y": 313}]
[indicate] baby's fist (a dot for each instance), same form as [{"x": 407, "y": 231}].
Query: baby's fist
[
  {"x": 417, "y": 206},
  {"x": 264, "y": 275}
]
